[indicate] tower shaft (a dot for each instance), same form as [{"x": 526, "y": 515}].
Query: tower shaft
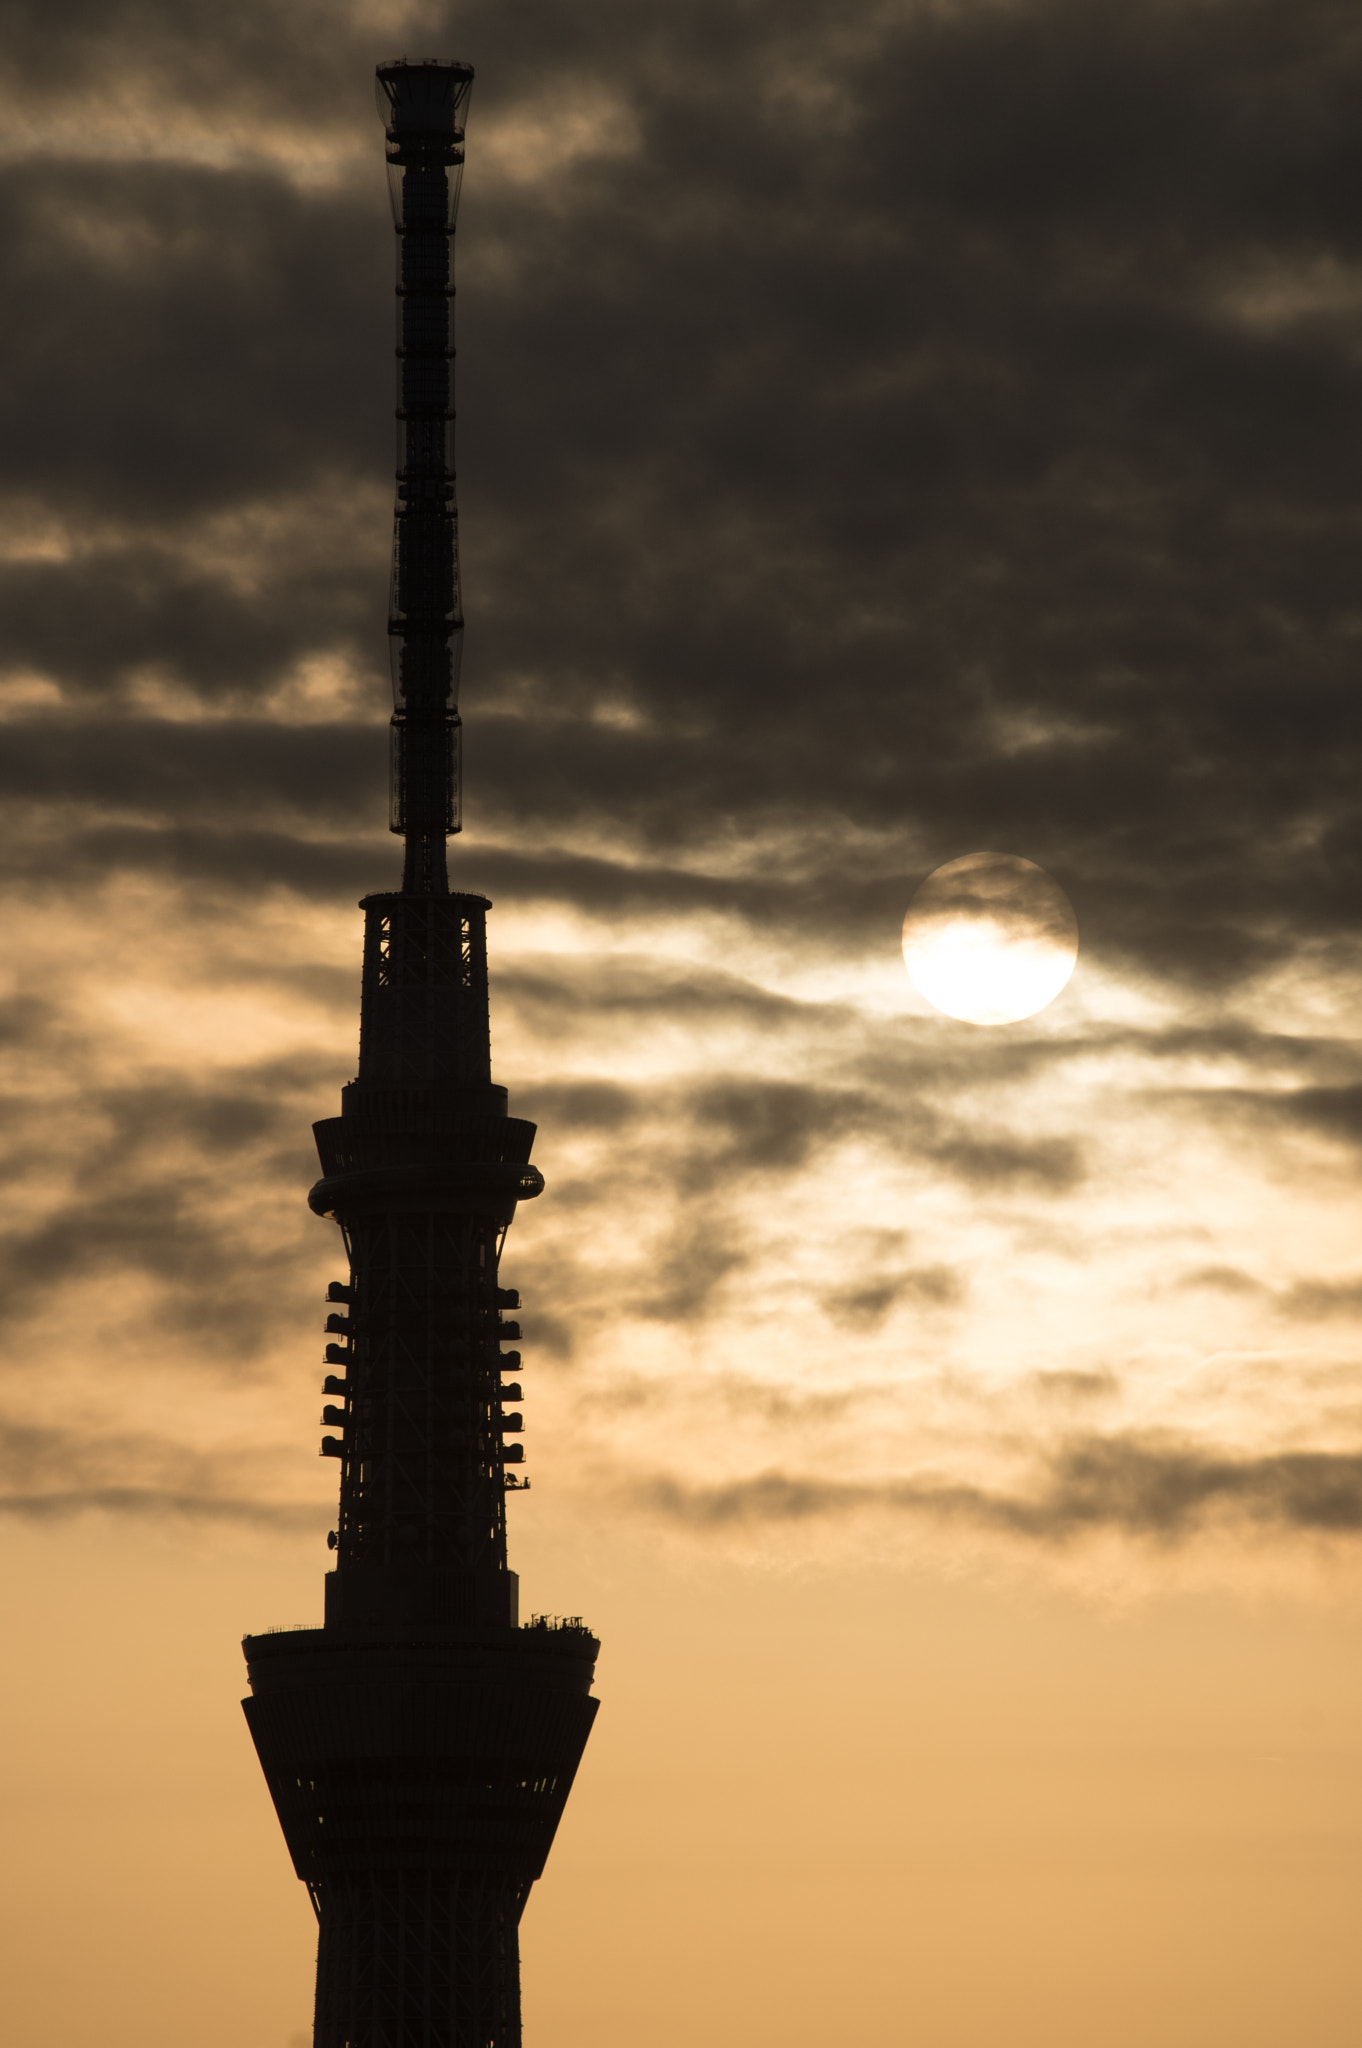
[
  {"x": 420, "y": 1746},
  {"x": 423, "y": 1169}
]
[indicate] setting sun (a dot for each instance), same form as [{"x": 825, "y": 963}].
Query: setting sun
[{"x": 990, "y": 939}]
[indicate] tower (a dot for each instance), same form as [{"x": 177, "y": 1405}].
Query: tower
[{"x": 419, "y": 1747}]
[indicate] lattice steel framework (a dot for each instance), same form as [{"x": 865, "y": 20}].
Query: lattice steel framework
[
  {"x": 408, "y": 1952},
  {"x": 420, "y": 1746}
]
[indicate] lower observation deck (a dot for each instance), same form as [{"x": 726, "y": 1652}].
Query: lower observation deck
[{"x": 440, "y": 1750}]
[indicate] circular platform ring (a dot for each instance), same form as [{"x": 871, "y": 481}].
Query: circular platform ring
[{"x": 472, "y": 1187}]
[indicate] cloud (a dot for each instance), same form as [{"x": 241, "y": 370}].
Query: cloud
[
  {"x": 52, "y": 1473},
  {"x": 1038, "y": 406},
  {"x": 1319, "y": 1298},
  {"x": 1146, "y": 1488},
  {"x": 155, "y": 1504},
  {"x": 1067, "y": 1385},
  {"x": 171, "y": 1187},
  {"x": 716, "y": 1137},
  {"x": 1336, "y": 1112},
  {"x": 865, "y": 1307},
  {"x": 1050, "y": 487},
  {"x": 884, "y": 435},
  {"x": 1221, "y": 1280}
]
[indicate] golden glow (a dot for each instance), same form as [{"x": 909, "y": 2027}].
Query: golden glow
[{"x": 990, "y": 939}]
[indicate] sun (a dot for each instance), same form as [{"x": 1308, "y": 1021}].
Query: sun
[{"x": 990, "y": 939}]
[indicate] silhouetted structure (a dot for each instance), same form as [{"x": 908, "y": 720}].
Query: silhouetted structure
[{"x": 420, "y": 1746}]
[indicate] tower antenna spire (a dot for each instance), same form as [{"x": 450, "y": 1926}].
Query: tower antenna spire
[
  {"x": 423, "y": 108},
  {"x": 420, "y": 1746}
]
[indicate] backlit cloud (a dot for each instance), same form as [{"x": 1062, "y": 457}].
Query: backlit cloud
[{"x": 883, "y": 435}]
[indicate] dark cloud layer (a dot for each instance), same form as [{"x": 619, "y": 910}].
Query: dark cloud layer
[
  {"x": 158, "y": 1184},
  {"x": 51, "y": 1472},
  {"x": 885, "y": 433},
  {"x": 1150, "y": 1488},
  {"x": 200, "y": 293},
  {"x": 952, "y": 420},
  {"x": 724, "y": 1131},
  {"x": 147, "y": 1503}
]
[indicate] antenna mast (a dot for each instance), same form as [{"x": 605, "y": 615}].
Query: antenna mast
[{"x": 423, "y": 107}]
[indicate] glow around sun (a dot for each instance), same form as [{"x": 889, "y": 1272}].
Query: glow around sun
[{"x": 990, "y": 939}]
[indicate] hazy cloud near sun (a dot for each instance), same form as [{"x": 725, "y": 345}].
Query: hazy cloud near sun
[{"x": 884, "y": 435}]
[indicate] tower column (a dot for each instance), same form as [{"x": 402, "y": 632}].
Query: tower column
[{"x": 419, "y": 1747}]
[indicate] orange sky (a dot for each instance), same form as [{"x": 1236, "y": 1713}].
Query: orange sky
[{"x": 867, "y": 458}]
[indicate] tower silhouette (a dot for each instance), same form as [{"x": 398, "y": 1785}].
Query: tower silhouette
[{"x": 420, "y": 1746}]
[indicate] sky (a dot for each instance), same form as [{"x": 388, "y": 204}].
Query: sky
[{"x": 887, "y": 433}]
